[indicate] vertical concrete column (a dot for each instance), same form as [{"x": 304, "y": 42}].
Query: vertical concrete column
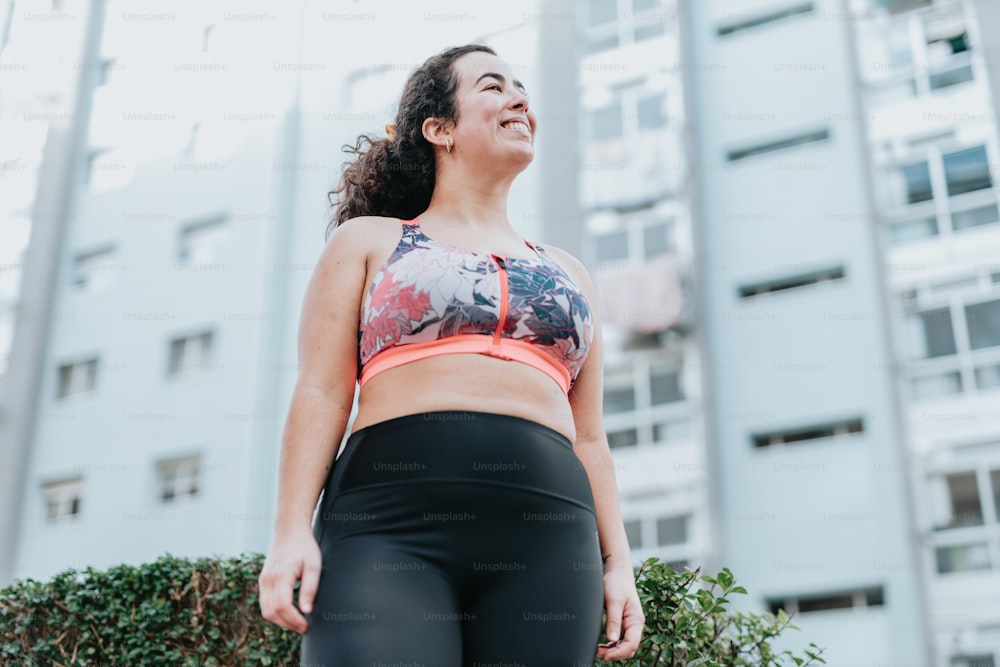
[
  {"x": 58, "y": 181},
  {"x": 558, "y": 139}
]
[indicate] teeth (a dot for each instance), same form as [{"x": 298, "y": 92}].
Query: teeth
[{"x": 517, "y": 123}]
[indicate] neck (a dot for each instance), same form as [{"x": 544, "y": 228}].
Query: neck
[{"x": 473, "y": 196}]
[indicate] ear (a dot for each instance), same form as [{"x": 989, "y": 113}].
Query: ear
[{"x": 437, "y": 131}]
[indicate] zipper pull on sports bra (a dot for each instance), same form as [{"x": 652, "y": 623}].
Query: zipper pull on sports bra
[{"x": 433, "y": 298}]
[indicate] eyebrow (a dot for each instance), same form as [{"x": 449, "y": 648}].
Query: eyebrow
[{"x": 501, "y": 79}]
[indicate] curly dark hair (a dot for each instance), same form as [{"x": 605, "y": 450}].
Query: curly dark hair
[{"x": 396, "y": 178}]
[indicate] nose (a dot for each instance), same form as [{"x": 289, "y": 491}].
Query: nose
[{"x": 519, "y": 101}]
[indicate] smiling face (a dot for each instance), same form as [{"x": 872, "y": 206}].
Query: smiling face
[{"x": 495, "y": 122}]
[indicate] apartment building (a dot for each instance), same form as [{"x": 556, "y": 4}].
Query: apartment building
[{"x": 929, "y": 80}]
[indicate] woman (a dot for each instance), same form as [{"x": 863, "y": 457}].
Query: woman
[{"x": 465, "y": 520}]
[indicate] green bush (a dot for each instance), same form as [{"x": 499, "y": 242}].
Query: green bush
[
  {"x": 173, "y": 611},
  {"x": 204, "y": 613},
  {"x": 687, "y": 624}
]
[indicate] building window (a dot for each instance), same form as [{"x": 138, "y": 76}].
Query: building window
[
  {"x": 640, "y": 20},
  {"x": 807, "y": 433},
  {"x": 612, "y": 247},
  {"x": 179, "y": 478},
  {"x": 651, "y": 111},
  {"x": 917, "y": 179},
  {"x": 967, "y": 170},
  {"x": 93, "y": 271},
  {"x": 664, "y": 387},
  {"x": 633, "y": 530},
  {"x": 778, "y": 144},
  {"x": 980, "y": 660},
  {"x": 649, "y": 29},
  {"x": 655, "y": 239},
  {"x": 791, "y": 281},
  {"x": 190, "y": 354},
  {"x": 619, "y": 390},
  {"x": 639, "y": 235},
  {"x": 62, "y": 499},
  {"x": 946, "y": 37},
  {"x": 951, "y": 77},
  {"x": 763, "y": 19},
  {"x": 974, "y": 217},
  {"x": 671, "y": 531},
  {"x": 639, "y": 6},
  {"x": 79, "y": 377},
  {"x": 962, "y": 506},
  {"x": 913, "y": 230},
  {"x": 963, "y": 335},
  {"x": 203, "y": 242},
  {"x": 606, "y": 122},
  {"x": 962, "y": 558},
  {"x": 987, "y": 377},
  {"x": 602, "y": 12},
  {"x": 597, "y": 44},
  {"x": 995, "y": 482},
  {"x": 966, "y": 507},
  {"x": 983, "y": 323},
  {"x": 625, "y": 438},
  {"x": 932, "y": 333},
  {"x": 900, "y": 6},
  {"x": 859, "y": 598},
  {"x": 936, "y": 386},
  {"x": 675, "y": 429},
  {"x": 644, "y": 401},
  {"x": 619, "y": 399}
]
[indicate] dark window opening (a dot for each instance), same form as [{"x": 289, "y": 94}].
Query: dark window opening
[
  {"x": 763, "y": 19},
  {"x": 780, "y": 144},
  {"x": 798, "y": 280},
  {"x": 626, "y": 438},
  {"x": 815, "y": 432},
  {"x": 967, "y": 171},
  {"x": 918, "y": 183}
]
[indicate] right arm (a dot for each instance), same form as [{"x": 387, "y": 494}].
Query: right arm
[{"x": 317, "y": 420}]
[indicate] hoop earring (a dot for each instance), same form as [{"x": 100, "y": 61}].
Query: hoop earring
[{"x": 449, "y": 145}]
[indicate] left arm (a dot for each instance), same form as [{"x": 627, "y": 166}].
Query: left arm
[
  {"x": 624, "y": 611},
  {"x": 586, "y": 399}
]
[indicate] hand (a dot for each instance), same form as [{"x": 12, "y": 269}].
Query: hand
[
  {"x": 292, "y": 556},
  {"x": 625, "y": 616}
]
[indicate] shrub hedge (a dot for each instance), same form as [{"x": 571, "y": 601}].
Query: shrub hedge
[{"x": 204, "y": 613}]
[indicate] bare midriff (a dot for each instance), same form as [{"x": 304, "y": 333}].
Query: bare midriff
[{"x": 465, "y": 382}]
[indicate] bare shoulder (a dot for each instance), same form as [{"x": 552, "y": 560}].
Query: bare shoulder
[
  {"x": 573, "y": 266},
  {"x": 365, "y": 230},
  {"x": 360, "y": 238}
]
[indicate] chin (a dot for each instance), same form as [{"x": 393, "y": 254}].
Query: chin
[
  {"x": 511, "y": 161},
  {"x": 524, "y": 156}
]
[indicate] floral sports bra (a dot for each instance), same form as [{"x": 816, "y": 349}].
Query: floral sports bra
[{"x": 433, "y": 298}]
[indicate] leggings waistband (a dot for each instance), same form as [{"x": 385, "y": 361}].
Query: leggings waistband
[{"x": 462, "y": 445}]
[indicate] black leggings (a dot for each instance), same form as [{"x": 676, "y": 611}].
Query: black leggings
[{"x": 456, "y": 539}]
